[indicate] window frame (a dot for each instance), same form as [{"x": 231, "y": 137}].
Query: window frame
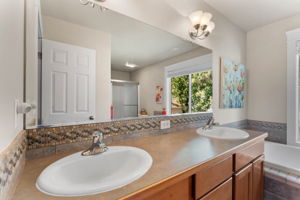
[
  {"x": 293, "y": 65},
  {"x": 191, "y": 66}
]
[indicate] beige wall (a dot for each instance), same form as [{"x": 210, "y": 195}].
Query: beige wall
[
  {"x": 119, "y": 75},
  {"x": 267, "y": 68},
  {"x": 227, "y": 40},
  {"x": 11, "y": 69},
  {"x": 62, "y": 31},
  {"x": 151, "y": 76}
]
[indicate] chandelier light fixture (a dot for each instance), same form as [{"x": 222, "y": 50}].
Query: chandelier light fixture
[
  {"x": 202, "y": 25},
  {"x": 93, "y": 4}
]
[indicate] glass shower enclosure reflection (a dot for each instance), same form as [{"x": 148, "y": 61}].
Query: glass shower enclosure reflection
[{"x": 125, "y": 99}]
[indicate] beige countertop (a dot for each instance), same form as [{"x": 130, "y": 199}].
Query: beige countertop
[{"x": 172, "y": 154}]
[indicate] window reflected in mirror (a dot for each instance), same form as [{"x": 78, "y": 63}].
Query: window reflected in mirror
[
  {"x": 180, "y": 87},
  {"x": 202, "y": 91},
  {"x": 191, "y": 93}
]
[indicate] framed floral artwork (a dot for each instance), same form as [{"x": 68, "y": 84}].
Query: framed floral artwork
[
  {"x": 232, "y": 87},
  {"x": 158, "y": 94}
]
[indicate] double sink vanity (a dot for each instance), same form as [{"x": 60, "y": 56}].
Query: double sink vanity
[{"x": 217, "y": 163}]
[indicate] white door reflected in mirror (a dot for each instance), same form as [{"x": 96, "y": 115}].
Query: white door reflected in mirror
[{"x": 68, "y": 83}]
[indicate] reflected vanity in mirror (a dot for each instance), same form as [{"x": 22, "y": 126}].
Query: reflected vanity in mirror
[{"x": 101, "y": 66}]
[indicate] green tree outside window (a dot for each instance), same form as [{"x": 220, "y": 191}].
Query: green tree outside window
[{"x": 201, "y": 86}]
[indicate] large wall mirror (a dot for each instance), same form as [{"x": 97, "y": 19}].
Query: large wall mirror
[{"x": 88, "y": 65}]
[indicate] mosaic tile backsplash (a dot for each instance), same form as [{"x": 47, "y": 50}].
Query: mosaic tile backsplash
[
  {"x": 53, "y": 140},
  {"x": 277, "y": 132},
  {"x": 46, "y": 137},
  {"x": 11, "y": 164}
]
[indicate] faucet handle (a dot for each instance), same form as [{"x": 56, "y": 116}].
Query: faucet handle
[
  {"x": 97, "y": 133},
  {"x": 98, "y": 136},
  {"x": 210, "y": 120},
  {"x": 97, "y": 147}
]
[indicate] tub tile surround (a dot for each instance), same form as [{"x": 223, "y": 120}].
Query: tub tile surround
[
  {"x": 12, "y": 162},
  {"x": 289, "y": 177},
  {"x": 281, "y": 185},
  {"x": 54, "y": 140}
]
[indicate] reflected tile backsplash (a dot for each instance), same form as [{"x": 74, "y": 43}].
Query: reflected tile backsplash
[{"x": 48, "y": 140}]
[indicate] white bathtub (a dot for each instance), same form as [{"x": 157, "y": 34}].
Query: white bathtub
[{"x": 283, "y": 158}]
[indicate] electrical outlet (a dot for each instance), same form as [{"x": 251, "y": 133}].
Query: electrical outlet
[{"x": 165, "y": 124}]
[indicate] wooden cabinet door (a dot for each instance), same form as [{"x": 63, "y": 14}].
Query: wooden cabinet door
[
  {"x": 258, "y": 178},
  {"x": 243, "y": 184}
]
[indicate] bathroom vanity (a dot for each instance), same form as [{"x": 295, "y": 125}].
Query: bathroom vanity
[
  {"x": 185, "y": 166},
  {"x": 237, "y": 175}
]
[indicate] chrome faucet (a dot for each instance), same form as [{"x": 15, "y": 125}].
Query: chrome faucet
[
  {"x": 210, "y": 123},
  {"x": 97, "y": 147}
]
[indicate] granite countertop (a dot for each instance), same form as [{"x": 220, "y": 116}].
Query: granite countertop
[{"x": 172, "y": 154}]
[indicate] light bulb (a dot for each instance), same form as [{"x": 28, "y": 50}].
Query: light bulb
[
  {"x": 211, "y": 26},
  {"x": 196, "y": 17},
  {"x": 205, "y": 19}
]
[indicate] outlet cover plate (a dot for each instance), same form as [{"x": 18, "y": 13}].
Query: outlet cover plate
[{"x": 165, "y": 124}]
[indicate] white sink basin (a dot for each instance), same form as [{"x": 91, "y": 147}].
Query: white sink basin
[
  {"x": 223, "y": 133},
  {"x": 77, "y": 175}
]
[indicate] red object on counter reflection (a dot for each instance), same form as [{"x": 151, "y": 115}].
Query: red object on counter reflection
[{"x": 164, "y": 112}]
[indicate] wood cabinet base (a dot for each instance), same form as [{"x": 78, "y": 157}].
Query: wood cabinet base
[{"x": 235, "y": 176}]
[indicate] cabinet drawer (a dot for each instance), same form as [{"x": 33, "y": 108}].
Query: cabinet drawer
[
  {"x": 210, "y": 177},
  {"x": 179, "y": 191},
  {"x": 223, "y": 192},
  {"x": 245, "y": 156}
]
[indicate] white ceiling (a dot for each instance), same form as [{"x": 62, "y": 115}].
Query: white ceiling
[
  {"x": 132, "y": 41},
  {"x": 249, "y": 14}
]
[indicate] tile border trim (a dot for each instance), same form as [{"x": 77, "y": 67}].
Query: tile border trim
[
  {"x": 277, "y": 131},
  {"x": 267, "y": 125},
  {"x": 54, "y": 136},
  {"x": 53, "y": 140},
  {"x": 12, "y": 161}
]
